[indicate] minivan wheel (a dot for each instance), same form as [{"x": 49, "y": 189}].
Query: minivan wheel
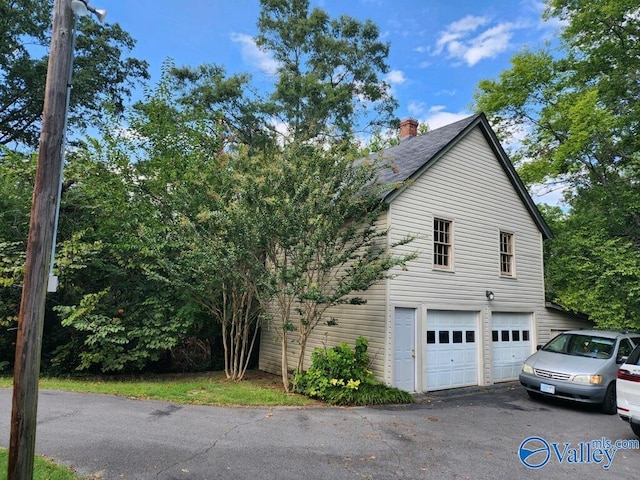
[
  {"x": 609, "y": 403},
  {"x": 636, "y": 429}
]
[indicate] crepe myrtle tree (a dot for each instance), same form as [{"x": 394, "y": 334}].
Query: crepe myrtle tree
[
  {"x": 318, "y": 213},
  {"x": 196, "y": 132}
]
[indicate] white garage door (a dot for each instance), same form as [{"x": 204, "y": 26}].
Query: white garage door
[
  {"x": 451, "y": 347},
  {"x": 511, "y": 339}
]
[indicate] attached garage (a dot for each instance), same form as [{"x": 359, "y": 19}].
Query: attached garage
[
  {"x": 511, "y": 341},
  {"x": 458, "y": 315},
  {"x": 451, "y": 349}
]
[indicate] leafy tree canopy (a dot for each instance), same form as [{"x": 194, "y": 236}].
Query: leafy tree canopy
[
  {"x": 103, "y": 74},
  {"x": 329, "y": 70}
]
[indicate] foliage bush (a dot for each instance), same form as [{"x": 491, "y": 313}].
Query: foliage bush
[{"x": 341, "y": 376}]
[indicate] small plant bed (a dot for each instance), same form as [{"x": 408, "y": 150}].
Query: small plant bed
[{"x": 341, "y": 376}]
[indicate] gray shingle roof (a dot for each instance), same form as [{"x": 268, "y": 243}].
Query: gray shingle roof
[{"x": 413, "y": 156}]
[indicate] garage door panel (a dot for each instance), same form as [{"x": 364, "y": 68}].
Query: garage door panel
[
  {"x": 511, "y": 339},
  {"x": 451, "y": 351}
]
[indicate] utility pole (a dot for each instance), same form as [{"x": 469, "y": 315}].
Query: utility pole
[{"x": 43, "y": 208}]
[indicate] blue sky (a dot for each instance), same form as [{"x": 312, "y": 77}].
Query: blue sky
[{"x": 439, "y": 49}]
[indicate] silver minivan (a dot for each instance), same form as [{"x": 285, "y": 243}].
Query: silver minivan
[{"x": 579, "y": 365}]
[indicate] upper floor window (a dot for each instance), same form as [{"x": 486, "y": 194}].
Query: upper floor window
[
  {"x": 442, "y": 244},
  {"x": 507, "y": 258}
]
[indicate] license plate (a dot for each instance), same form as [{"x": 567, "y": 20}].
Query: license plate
[{"x": 547, "y": 388}]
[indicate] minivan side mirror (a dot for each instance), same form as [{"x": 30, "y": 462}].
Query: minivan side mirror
[
  {"x": 538, "y": 347},
  {"x": 622, "y": 359}
]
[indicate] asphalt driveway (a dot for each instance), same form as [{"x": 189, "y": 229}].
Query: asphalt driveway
[{"x": 463, "y": 434}]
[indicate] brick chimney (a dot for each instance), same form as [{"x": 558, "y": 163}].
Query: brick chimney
[{"x": 408, "y": 128}]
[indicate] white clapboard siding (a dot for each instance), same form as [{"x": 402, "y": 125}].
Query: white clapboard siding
[
  {"x": 366, "y": 320},
  {"x": 469, "y": 187}
]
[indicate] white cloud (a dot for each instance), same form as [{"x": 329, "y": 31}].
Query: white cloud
[
  {"x": 450, "y": 37},
  {"x": 126, "y": 133},
  {"x": 437, "y": 116},
  {"x": 550, "y": 194},
  {"x": 282, "y": 129},
  {"x": 461, "y": 39},
  {"x": 416, "y": 108},
  {"x": 395, "y": 77},
  {"x": 253, "y": 56},
  {"x": 449, "y": 93},
  {"x": 489, "y": 43}
]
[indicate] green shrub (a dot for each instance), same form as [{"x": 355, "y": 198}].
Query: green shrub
[
  {"x": 369, "y": 394},
  {"x": 341, "y": 376}
]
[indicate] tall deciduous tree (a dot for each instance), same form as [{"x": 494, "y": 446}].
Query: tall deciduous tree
[
  {"x": 196, "y": 130},
  {"x": 103, "y": 74},
  {"x": 17, "y": 176},
  {"x": 116, "y": 318},
  {"x": 577, "y": 110},
  {"x": 318, "y": 206},
  {"x": 329, "y": 77},
  {"x": 317, "y": 209}
]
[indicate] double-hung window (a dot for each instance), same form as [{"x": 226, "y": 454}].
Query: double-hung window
[
  {"x": 507, "y": 255},
  {"x": 442, "y": 244}
]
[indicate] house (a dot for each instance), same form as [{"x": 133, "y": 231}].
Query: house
[{"x": 471, "y": 307}]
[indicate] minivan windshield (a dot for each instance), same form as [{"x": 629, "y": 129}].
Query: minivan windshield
[{"x": 581, "y": 345}]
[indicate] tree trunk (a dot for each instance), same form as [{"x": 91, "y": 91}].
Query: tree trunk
[
  {"x": 303, "y": 345},
  {"x": 283, "y": 361}
]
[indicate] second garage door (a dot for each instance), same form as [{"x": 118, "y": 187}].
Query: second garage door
[
  {"x": 511, "y": 339},
  {"x": 451, "y": 349}
]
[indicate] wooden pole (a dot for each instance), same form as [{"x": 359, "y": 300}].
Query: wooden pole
[{"x": 31, "y": 317}]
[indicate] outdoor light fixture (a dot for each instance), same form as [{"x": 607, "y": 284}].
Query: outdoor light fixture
[
  {"x": 82, "y": 8},
  {"x": 490, "y": 295}
]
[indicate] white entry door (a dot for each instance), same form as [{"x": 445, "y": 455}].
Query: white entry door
[
  {"x": 404, "y": 349},
  {"x": 512, "y": 344},
  {"x": 451, "y": 347}
]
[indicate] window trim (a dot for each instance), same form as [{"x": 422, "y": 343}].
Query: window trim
[
  {"x": 448, "y": 245},
  {"x": 507, "y": 257}
]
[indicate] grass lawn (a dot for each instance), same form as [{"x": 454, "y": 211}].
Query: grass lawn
[
  {"x": 211, "y": 388},
  {"x": 43, "y": 469}
]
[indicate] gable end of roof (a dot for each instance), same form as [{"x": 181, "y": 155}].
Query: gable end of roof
[{"x": 418, "y": 154}]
